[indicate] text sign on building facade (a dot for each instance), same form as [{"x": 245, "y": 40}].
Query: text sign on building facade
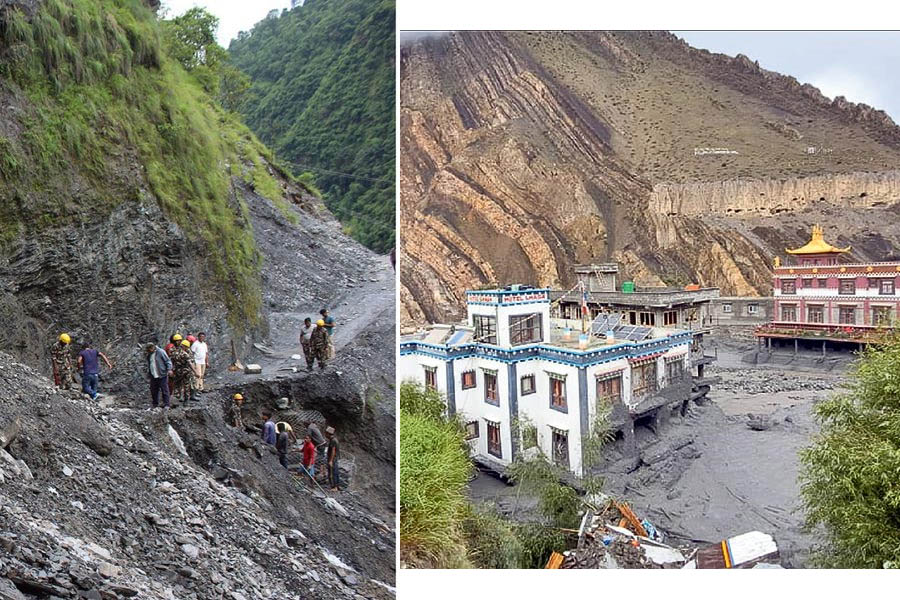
[
  {"x": 505, "y": 297},
  {"x": 529, "y": 296}
]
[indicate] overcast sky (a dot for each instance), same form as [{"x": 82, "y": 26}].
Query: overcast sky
[
  {"x": 861, "y": 66},
  {"x": 234, "y": 15}
]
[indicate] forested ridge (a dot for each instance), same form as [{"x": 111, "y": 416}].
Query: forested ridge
[{"x": 322, "y": 96}]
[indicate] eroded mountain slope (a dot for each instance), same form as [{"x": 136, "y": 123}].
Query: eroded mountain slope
[{"x": 525, "y": 153}]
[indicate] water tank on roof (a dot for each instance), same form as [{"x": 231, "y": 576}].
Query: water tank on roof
[{"x": 627, "y": 287}]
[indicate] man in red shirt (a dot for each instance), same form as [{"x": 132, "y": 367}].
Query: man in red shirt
[{"x": 309, "y": 456}]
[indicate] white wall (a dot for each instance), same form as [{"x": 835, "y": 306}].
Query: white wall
[
  {"x": 411, "y": 367},
  {"x": 536, "y": 407},
  {"x": 471, "y": 406}
]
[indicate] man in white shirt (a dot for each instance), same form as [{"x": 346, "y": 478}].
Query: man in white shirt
[{"x": 201, "y": 358}]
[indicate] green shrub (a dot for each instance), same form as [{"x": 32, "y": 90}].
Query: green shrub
[
  {"x": 537, "y": 542},
  {"x": 491, "y": 540},
  {"x": 415, "y": 399},
  {"x": 434, "y": 470},
  {"x": 849, "y": 480}
]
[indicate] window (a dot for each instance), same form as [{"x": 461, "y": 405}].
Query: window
[
  {"x": 485, "y": 329},
  {"x": 727, "y": 308},
  {"x": 472, "y": 430},
  {"x": 527, "y": 385},
  {"x": 847, "y": 287},
  {"x": 558, "y": 392},
  {"x": 490, "y": 388},
  {"x": 674, "y": 370},
  {"x": 823, "y": 283},
  {"x": 881, "y": 315},
  {"x": 815, "y": 314},
  {"x": 670, "y": 318},
  {"x": 788, "y": 286},
  {"x": 609, "y": 389},
  {"x": 431, "y": 378},
  {"x": 643, "y": 379},
  {"x": 525, "y": 329},
  {"x": 493, "y": 441},
  {"x": 847, "y": 315},
  {"x": 752, "y": 309},
  {"x": 807, "y": 283},
  {"x": 647, "y": 319},
  {"x": 560, "y": 441},
  {"x": 789, "y": 312},
  {"x": 887, "y": 287},
  {"x": 468, "y": 380}
]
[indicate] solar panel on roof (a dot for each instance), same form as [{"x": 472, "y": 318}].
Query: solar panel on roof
[
  {"x": 632, "y": 332},
  {"x": 605, "y": 322}
]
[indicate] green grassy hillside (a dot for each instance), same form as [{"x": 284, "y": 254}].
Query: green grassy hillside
[
  {"x": 101, "y": 115},
  {"x": 323, "y": 96}
]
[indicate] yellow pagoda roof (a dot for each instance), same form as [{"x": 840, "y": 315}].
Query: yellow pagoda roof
[{"x": 817, "y": 245}]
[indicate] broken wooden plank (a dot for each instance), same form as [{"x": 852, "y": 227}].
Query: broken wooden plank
[
  {"x": 632, "y": 519},
  {"x": 555, "y": 561}
]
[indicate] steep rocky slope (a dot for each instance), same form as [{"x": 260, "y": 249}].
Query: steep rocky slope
[
  {"x": 115, "y": 502},
  {"x": 525, "y": 153}
]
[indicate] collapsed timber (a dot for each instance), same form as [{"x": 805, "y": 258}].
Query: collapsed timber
[{"x": 612, "y": 536}]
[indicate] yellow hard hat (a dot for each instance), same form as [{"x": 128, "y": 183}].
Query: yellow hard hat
[
  {"x": 186, "y": 343},
  {"x": 320, "y": 323},
  {"x": 176, "y": 337},
  {"x": 238, "y": 397},
  {"x": 64, "y": 338}
]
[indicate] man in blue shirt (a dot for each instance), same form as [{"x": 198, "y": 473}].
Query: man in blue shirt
[
  {"x": 89, "y": 365},
  {"x": 268, "y": 432}
]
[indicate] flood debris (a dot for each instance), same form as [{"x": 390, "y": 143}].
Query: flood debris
[{"x": 613, "y": 537}]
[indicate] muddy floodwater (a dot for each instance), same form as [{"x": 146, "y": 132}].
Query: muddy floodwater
[{"x": 709, "y": 475}]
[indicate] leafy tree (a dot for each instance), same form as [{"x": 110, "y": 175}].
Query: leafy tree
[
  {"x": 850, "y": 480},
  {"x": 191, "y": 40}
]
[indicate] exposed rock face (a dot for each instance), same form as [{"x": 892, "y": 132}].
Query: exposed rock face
[
  {"x": 525, "y": 153},
  {"x": 769, "y": 197}
]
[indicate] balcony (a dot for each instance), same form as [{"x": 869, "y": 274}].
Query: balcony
[{"x": 862, "y": 334}]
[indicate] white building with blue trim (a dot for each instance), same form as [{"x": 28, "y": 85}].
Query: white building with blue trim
[{"x": 511, "y": 364}]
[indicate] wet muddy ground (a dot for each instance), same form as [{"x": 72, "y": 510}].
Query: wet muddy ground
[{"x": 710, "y": 475}]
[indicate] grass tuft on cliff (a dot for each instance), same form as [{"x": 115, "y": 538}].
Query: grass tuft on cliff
[{"x": 98, "y": 93}]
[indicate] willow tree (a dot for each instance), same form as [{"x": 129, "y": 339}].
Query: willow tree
[{"x": 851, "y": 474}]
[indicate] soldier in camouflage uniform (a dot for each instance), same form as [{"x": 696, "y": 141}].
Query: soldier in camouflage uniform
[
  {"x": 61, "y": 356},
  {"x": 318, "y": 343},
  {"x": 183, "y": 367}
]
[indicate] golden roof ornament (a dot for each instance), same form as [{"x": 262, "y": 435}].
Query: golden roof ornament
[
  {"x": 777, "y": 261},
  {"x": 817, "y": 245}
]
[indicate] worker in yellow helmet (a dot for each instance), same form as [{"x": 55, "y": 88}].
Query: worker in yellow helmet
[
  {"x": 235, "y": 415},
  {"x": 318, "y": 344},
  {"x": 61, "y": 357}
]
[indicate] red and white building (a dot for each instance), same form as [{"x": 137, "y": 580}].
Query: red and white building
[{"x": 821, "y": 297}]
